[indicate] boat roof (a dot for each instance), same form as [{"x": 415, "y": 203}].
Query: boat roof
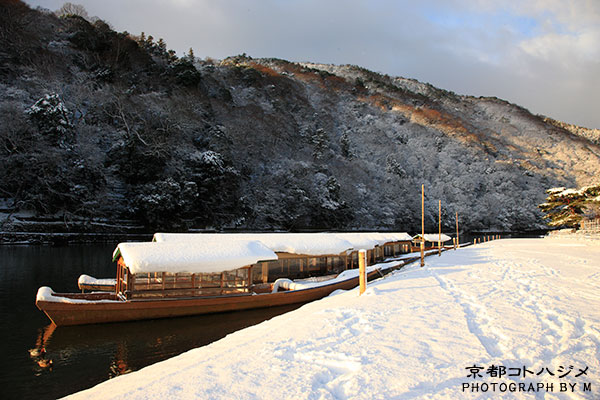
[
  {"x": 316, "y": 244},
  {"x": 208, "y": 256},
  {"x": 434, "y": 237},
  {"x": 368, "y": 240}
]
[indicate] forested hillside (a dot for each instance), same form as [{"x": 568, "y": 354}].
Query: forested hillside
[{"x": 108, "y": 131}]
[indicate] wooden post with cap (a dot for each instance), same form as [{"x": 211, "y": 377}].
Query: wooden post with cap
[
  {"x": 362, "y": 271},
  {"x": 440, "y": 228},
  {"x": 457, "y": 242},
  {"x": 422, "y": 225}
]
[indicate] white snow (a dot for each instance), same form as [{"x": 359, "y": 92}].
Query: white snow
[
  {"x": 46, "y": 293},
  {"x": 195, "y": 257},
  {"x": 434, "y": 237},
  {"x": 300, "y": 284},
  {"x": 90, "y": 280},
  {"x": 296, "y": 243},
  {"x": 523, "y": 304}
]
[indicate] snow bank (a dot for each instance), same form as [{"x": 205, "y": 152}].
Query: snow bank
[
  {"x": 195, "y": 257},
  {"x": 523, "y": 304},
  {"x": 296, "y": 243}
]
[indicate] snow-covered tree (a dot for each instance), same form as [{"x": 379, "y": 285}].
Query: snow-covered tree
[
  {"x": 50, "y": 115},
  {"x": 566, "y": 207},
  {"x": 346, "y": 146},
  {"x": 319, "y": 141},
  {"x": 70, "y": 9}
]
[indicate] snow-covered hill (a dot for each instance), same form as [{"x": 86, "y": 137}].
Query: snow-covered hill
[{"x": 100, "y": 129}]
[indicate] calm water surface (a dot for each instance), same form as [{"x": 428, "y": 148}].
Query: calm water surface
[{"x": 83, "y": 356}]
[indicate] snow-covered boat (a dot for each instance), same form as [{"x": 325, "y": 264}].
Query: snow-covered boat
[
  {"x": 431, "y": 241},
  {"x": 200, "y": 274}
]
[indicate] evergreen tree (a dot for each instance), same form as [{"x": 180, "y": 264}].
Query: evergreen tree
[
  {"x": 566, "y": 207},
  {"x": 319, "y": 141},
  {"x": 190, "y": 55},
  {"x": 162, "y": 46},
  {"x": 346, "y": 146}
]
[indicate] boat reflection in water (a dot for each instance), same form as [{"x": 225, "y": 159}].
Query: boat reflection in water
[{"x": 120, "y": 348}]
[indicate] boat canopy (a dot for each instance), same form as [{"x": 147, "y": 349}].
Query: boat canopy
[
  {"x": 434, "y": 237},
  {"x": 209, "y": 256},
  {"x": 368, "y": 240},
  {"x": 296, "y": 243}
]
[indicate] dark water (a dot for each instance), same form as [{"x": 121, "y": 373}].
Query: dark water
[{"x": 83, "y": 356}]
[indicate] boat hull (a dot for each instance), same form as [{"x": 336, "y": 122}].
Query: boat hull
[{"x": 90, "y": 311}]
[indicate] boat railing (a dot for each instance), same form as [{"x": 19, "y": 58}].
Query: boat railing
[
  {"x": 163, "y": 284},
  {"x": 180, "y": 293}
]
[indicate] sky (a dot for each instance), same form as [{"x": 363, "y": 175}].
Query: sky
[{"x": 541, "y": 54}]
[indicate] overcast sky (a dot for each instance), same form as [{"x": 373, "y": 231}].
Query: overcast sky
[{"x": 541, "y": 54}]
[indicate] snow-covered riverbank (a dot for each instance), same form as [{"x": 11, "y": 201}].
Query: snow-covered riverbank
[{"x": 531, "y": 306}]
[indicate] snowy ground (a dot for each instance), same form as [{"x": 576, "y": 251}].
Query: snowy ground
[{"x": 529, "y": 305}]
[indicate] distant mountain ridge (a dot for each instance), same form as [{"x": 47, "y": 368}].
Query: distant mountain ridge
[
  {"x": 592, "y": 135},
  {"x": 102, "y": 130}
]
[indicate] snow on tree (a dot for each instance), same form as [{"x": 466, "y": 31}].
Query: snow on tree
[
  {"x": 50, "y": 114},
  {"x": 393, "y": 167},
  {"x": 70, "y": 9},
  {"x": 346, "y": 146},
  {"x": 567, "y": 207},
  {"x": 319, "y": 141}
]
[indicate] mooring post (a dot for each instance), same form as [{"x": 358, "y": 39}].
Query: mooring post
[
  {"x": 457, "y": 242},
  {"x": 362, "y": 271},
  {"x": 422, "y": 225},
  {"x": 440, "y": 228}
]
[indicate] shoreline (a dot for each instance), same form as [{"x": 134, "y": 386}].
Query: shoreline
[{"x": 508, "y": 302}]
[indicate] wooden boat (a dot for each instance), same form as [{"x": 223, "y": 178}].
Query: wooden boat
[
  {"x": 173, "y": 279},
  {"x": 93, "y": 308}
]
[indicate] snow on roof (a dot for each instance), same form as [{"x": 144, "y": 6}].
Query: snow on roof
[
  {"x": 368, "y": 240},
  {"x": 296, "y": 243},
  {"x": 206, "y": 256},
  {"x": 434, "y": 237}
]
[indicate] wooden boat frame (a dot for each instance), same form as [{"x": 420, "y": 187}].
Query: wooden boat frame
[
  {"x": 137, "y": 300},
  {"x": 92, "y": 308}
]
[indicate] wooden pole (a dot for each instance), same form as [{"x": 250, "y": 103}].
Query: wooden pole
[
  {"x": 440, "y": 228},
  {"x": 422, "y": 225},
  {"x": 457, "y": 241},
  {"x": 362, "y": 271}
]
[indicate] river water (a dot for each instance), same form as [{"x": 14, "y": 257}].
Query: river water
[{"x": 83, "y": 356}]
